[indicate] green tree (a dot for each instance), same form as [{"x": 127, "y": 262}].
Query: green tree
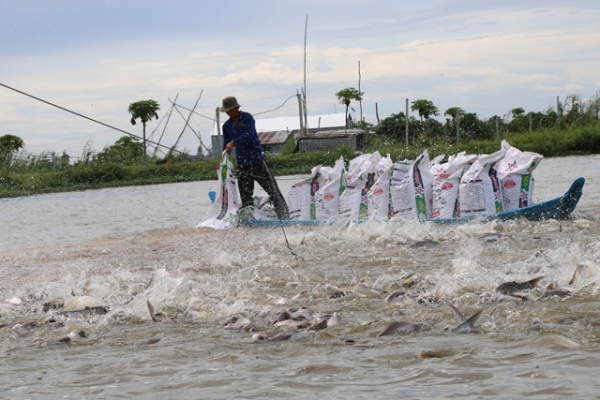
[
  {"x": 144, "y": 110},
  {"x": 425, "y": 108},
  {"x": 345, "y": 96},
  {"x": 127, "y": 149},
  {"x": 451, "y": 112},
  {"x": 9, "y": 145}
]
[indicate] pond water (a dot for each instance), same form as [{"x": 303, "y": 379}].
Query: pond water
[{"x": 122, "y": 248}]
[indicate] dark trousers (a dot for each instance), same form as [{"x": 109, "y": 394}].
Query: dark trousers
[{"x": 248, "y": 174}]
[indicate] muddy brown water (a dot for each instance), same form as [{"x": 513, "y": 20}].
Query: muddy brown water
[{"x": 122, "y": 247}]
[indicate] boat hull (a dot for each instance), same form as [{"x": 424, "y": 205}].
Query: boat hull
[{"x": 558, "y": 208}]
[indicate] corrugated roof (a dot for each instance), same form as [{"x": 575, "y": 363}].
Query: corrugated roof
[
  {"x": 272, "y": 137},
  {"x": 334, "y": 133}
]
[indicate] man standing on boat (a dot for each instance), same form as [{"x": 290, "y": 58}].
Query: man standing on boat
[{"x": 239, "y": 132}]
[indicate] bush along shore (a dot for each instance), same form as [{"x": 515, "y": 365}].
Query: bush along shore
[{"x": 124, "y": 164}]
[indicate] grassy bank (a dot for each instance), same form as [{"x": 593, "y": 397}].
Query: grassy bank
[{"x": 94, "y": 175}]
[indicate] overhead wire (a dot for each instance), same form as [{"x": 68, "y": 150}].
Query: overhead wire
[{"x": 86, "y": 117}]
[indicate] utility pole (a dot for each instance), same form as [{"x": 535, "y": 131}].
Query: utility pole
[
  {"x": 301, "y": 132},
  {"x": 457, "y": 126},
  {"x": 304, "y": 89},
  {"x": 360, "y": 101},
  {"x": 406, "y": 124},
  {"x": 218, "y": 122},
  {"x": 497, "y": 129}
]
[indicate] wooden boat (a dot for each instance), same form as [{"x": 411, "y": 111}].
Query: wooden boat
[{"x": 558, "y": 208}]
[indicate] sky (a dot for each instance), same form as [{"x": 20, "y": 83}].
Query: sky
[{"x": 97, "y": 57}]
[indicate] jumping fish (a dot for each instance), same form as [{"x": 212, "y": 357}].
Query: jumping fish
[
  {"x": 511, "y": 287},
  {"x": 579, "y": 269},
  {"x": 400, "y": 327},
  {"x": 468, "y": 324},
  {"x": 151, "y": 309}
]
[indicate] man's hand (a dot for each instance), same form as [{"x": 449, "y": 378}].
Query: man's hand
[{"x": 229, "y": 147}]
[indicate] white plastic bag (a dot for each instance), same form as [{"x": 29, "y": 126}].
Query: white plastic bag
[
  {"x": 301, "y": 197},
  {"x": 361, "y": 176},
  {"x": 327, "y": 198},
  {"x": 223, "y": 214},
  {"x": 446, "y": 179},
  {"x": 378, "y": 197},
  {"x": 480, "y": 192},
  {"x": 410, "y": 189},
  {"x": 515, "y": 176}
]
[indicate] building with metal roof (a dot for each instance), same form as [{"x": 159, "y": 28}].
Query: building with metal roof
[{"x": 273, "y": 132}]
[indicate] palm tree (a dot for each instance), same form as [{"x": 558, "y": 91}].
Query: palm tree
[
  {"x": 425, "y": 108},
  {"x": 144, "y": 110},
  {"x": 345, "y": 96}
]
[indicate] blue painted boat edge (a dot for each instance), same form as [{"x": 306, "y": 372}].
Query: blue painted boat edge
[{"x": 558, "y": 208}]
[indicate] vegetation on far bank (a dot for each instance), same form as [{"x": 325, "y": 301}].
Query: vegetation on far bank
[{"x": 574, "y": 130}]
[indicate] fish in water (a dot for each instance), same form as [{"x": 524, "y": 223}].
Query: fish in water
[
  {"x": 85, "y": 311},
  {"x": 292, "y": 323},
  {"x": 511, "y": 287},
  {"x": 25, "y": 324},
  {"x": 424, "y": 243},
  {"x": 400, "y": 327},
  {"x": 7, "y": 305},
  {"x": 554, "y": 291},
  {"x": 394, "y": 295},
  {"x": 491, "y": 237},
  {"x": 333, "y": 320},
  {"x": 302, "y": 313},
  {"x": 271, "y": 336},
  {"x": 468, "y": 324},
  {"x": 71, "y": 337},
  {"x": 242, "y": 324},
  {"x": 537, "y": 326}
]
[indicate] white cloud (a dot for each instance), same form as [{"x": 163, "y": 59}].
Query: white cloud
[{"x": 487, "y": 58}]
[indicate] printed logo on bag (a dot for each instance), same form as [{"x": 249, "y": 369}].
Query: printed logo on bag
[
  {"x": 328, "y": 196},
  {"x": 447, "y": 186},
  {"x": 377, "y": 191},
  {"x": 509, "y": 184}
]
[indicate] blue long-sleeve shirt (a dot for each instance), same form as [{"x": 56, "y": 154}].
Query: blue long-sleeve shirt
[{"x": 248, "y": 149}]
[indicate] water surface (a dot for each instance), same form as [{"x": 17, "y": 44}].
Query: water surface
[{"x": 122, "y": 247}]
